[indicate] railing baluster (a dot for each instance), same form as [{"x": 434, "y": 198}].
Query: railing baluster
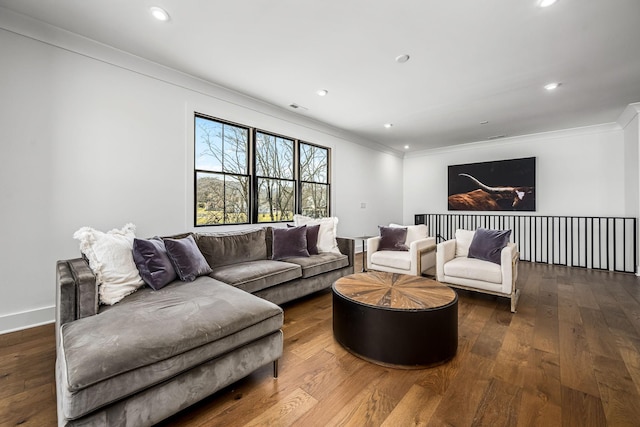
[{"x": 589, "y": 242}]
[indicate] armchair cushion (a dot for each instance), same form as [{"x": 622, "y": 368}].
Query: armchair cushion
[
  {"x": 393, "y": 259},
  {"x": 463, "y": 241},
  {"x": 414, "y": 232},
  {"x": 474, "y": 269},
  {"x": 393, "y": 239},
  {"x": 487, "y": 244}
]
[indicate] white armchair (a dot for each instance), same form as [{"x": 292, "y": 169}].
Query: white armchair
[
  {"x": 457, "y": 270},
  {"x": 419, "y": 259}
]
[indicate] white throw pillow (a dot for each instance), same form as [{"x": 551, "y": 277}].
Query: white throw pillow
[
  {"x": 463, "y": 241},
  {"x": 326, "y": 234},
  {"x": 414, "y": 232},
  {"x": 110, "y": 257}
]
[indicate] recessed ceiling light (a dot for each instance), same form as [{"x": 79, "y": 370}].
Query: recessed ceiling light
[
  {"x": 388, "y": 125},
  {"x": 402, "y": 58},
  {"x": 159, "y": 13},
  {"x": 484, "y": 122},
  {"x": 552, "y": 86},
  {"x": 406, "y": 147},
  {"x": 546, "y": 3},
  {"x": 322, "y": 92}
]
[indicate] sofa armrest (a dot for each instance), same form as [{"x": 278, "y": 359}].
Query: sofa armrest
[
  {"x": 445, "y": 252},
  {"x": 76, "y": 292},
  {"x": 347, "y": 247}
]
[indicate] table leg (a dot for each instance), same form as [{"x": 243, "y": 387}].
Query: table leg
[{"x": 364, "y": 260}]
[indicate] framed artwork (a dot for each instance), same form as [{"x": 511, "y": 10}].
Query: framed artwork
[{"x": 504, "y": 185}]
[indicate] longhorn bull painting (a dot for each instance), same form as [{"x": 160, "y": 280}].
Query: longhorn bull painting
[{"x": 506, "y": 185}]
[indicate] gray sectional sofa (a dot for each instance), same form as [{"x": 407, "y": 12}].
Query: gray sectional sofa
[{"x": 155, "y": 353}]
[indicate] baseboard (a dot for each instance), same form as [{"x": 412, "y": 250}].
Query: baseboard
[{"x": 27, "y": 319}]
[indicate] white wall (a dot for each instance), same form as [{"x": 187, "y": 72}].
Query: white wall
[
  {"x": 630, "y": 122},
  {"x": 93, "y": 136},
  {"x": 578, "y": 171},
  {"x": 631, "y": 126}
]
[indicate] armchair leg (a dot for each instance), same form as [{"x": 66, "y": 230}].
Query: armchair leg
[
  {"x": 515, "y": 296},
  {"x": 275, "y": 368}
]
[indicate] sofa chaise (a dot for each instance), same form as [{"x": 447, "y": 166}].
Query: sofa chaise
[{"x": 155, "y": 352}]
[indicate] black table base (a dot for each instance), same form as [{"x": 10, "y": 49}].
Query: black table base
[{"x": 396, "y": 337}]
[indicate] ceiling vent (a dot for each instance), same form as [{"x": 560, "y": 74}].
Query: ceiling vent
[{"x": 298, "y": 107}]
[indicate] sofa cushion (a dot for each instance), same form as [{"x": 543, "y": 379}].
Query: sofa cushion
[
  {"x": 475, "y": 269},
  {"x": 232, "y": 247},
  {"x": 327, "y": 232},
  {"x": 312, "y": 238},
  {"x": 289, "y": 242},
  {"x": 153, "y": 262},
  {"x": 152, "y": 336},
  {"x": 186, "y": 258},
  {"x": 393, "y": 259},
  {"x": 321, "y": 263},
  {"x": 253, "y": 276},
  {"x": 110, "y": 256}
]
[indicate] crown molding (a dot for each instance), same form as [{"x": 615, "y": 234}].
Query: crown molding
[{"x": 629, "y": 114}]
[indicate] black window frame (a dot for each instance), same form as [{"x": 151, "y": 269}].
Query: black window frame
[
  {"x": 253, "y": 178},
  {"x": 301, "y": 182},
  {"x": 222, "y": 172}
]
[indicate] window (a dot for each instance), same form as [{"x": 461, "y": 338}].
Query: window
[
  {"x": 221, "y": 172},
  {"x": 275, "y": 178},
  {"x": 244, "y": 175},
  {"x": 314, "y": 184}
]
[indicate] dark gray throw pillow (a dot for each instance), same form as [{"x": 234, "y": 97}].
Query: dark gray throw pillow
[
  {"x": 312, "y": 238},
  {"x": 392, "y": 239},
  {"x": 186, "y": 258},
  {"x": 289, "y": 242},
  {"x": 153, "y": 262},
  {"x": 488, "y": 244}
]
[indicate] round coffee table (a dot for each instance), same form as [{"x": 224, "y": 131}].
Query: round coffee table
[{"x": 396, "y": 319}]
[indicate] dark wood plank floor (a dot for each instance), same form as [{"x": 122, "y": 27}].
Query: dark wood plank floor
[{"x": 570, "y": 356}]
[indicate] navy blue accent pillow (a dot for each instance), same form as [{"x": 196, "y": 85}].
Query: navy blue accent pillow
[
  {"x": 153, "y": 262},
  {"x": 289, "y": 242},
  {"x": 392, "y": 238},
  {"x": 186, "y": 258},
  {"x": 488, "y": 244},
  {"x": 312, "y": 238}
]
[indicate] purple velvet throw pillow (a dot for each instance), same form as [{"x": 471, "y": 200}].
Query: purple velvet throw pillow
[
  {"x": 186, "y": 258},
  {"x": 392, "y": 239},
  {"x": 487, "y": 244},
  {"x": 312, "y": 238},
  {"x": 153, "y": 262},
  {"x": 289, "y": 243}
]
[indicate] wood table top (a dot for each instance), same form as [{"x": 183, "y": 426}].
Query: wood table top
[{"x": 394, "y": 291}]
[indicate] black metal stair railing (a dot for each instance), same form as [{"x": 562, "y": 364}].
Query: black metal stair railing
[{"x": 603, "y": 243}]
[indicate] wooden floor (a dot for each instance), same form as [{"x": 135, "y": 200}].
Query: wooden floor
[{"x": 570, "y": 356}]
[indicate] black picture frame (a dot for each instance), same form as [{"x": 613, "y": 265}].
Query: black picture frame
[{"x": 502, "y": 185}]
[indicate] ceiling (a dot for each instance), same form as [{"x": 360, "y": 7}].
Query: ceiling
[{"x": 470, "y": 61}]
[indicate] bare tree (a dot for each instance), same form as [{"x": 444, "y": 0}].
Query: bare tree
[
  {"x": 313, "y": 174},
  {"x": 227, "y": 144},
  {"x": 274, "y": 166}
]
